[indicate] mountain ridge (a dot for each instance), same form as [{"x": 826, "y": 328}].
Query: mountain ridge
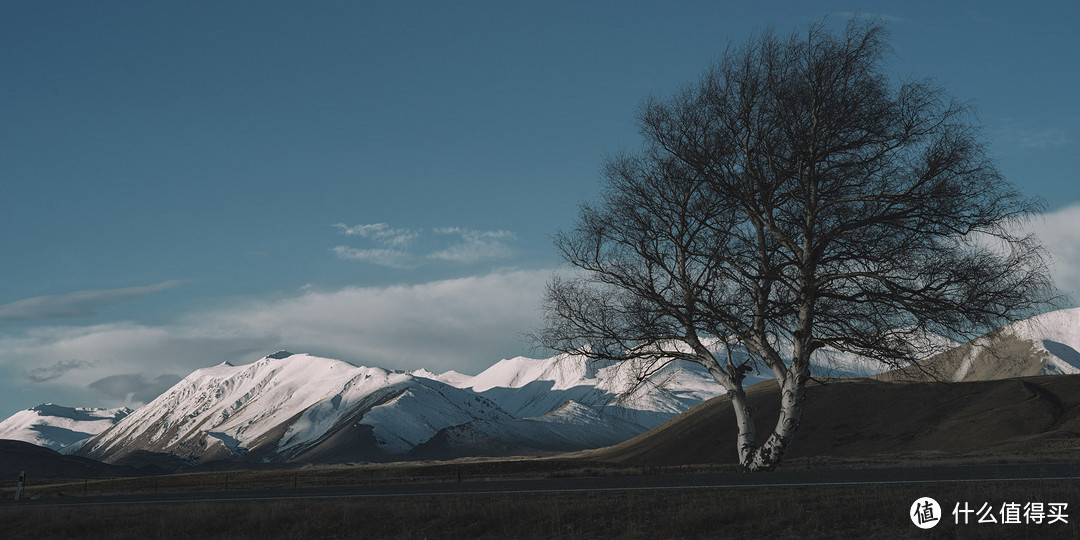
[{"x": 288, "y": 407}]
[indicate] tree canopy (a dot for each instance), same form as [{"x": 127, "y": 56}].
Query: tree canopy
[{"x": 795, "y": 197}]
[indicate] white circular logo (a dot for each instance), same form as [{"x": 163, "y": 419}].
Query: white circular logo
[{"x": 925, "y": 513}]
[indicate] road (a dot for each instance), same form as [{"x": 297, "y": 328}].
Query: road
[{"x": 785, "y": 479}]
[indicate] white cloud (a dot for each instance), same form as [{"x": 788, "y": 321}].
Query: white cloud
[
  {"x": 465, "y": 324},
  {"x": 408, "y": 248},
  {"x": 77, "y": 304}
]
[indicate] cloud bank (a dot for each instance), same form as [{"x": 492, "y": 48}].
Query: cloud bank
[
  {"x": 464, "y": 324},
  {"x": 1060, "y": 233}
]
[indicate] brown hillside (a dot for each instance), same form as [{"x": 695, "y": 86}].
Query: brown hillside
[{"x": 864, "y": 418}]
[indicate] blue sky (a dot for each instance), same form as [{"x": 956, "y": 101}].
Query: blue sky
[{"x": 192, "y": 182}]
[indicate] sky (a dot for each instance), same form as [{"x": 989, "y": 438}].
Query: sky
[{"x": 188, "y": 183}]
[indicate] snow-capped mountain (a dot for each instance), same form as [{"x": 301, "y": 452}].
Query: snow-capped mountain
[
  {"x": 298, "y": 407},
  {"x": 1046, "y": 344},
  {"x": 64, "y": 429},
  {"x": 292, "y": 407}
]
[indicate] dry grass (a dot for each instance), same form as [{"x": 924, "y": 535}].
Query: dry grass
[{"x": 835, "y": 512}]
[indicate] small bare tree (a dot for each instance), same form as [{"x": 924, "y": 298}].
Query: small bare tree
[{"x": 795, "y": 198}]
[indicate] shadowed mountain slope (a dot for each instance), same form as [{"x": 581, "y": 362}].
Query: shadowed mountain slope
[{"x": 40, "y": 462}]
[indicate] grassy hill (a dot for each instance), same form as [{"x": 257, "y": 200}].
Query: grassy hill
[{"x": 863, "y": 418}]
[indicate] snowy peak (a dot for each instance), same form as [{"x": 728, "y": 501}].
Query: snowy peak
[
  {"x": 60, "y": 428},
  {"x": 1057, "y": 334},
  {"x": 1045, "y": 344},
  {"x": 1050, "y": 342},
  {"x": 563, "y": 371}
]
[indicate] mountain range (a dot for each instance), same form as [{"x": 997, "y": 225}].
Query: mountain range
[
  {"x": 304, "y": 408},
  {"x": 301, "y": 408}
]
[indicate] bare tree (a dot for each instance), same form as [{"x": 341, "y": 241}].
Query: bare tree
[{"x": 795, "y": 198}]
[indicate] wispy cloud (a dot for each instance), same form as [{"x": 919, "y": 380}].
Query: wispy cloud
[
  {"x": 1026, "y": 137},
  {"x": 411, "y": 248},
  {"x": 883, "y": 17},
  {"x": 381, "y": 233},
  {"x": 54, "y": 370},
  {"x": 101, "y": 350},
  {"x": 77, "y": 304},
  {"x": 473, "y": 246},
  {"x": 1046, "y": 138},
  {"x": 392, "y": 258}
]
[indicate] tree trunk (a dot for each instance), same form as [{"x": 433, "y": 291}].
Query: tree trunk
[
  {"x": 747, "y": 442},
  {"x": 767, "y": 456}
]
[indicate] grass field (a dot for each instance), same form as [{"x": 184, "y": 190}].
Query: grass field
[
  {"x": 859, "y": 511},
  {"x": 837, "y": 512}
]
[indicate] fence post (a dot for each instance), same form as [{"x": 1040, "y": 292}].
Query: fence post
[{"x": 18, "y": 488}]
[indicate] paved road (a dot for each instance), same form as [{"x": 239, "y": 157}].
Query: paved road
[{"x": 795, "y": 479}]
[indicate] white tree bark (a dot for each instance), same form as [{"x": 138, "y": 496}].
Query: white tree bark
[
  {"x": 747, "y": 440},
  {"x": 768, "y": 455}
]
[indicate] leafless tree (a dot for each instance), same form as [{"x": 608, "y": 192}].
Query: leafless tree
[{"x": 796, "y": 197}]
